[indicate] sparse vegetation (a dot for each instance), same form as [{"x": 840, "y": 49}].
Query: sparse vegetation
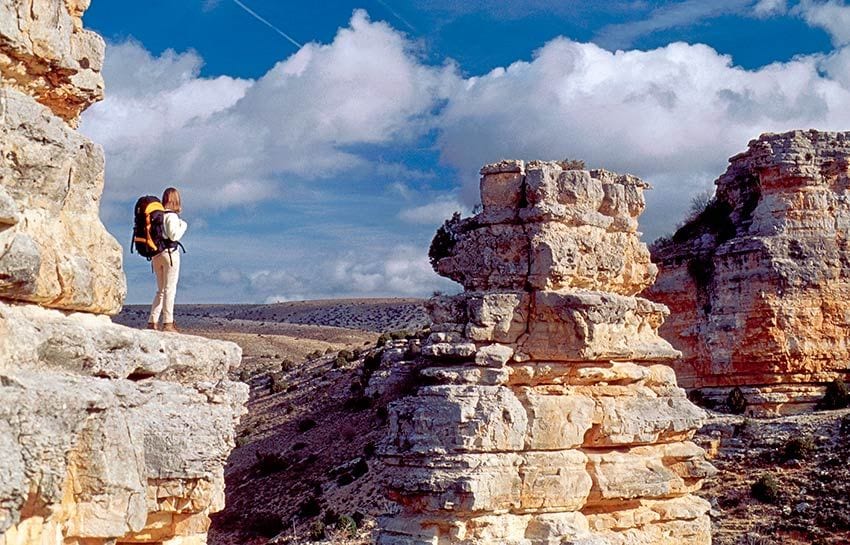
[
  {"x": 765, "y": 489},
  {"x": 836, "y": 396},
  {"x": 270, "y": 462},
  {"x": 736, "y": 403},
  {"x": 279, "y": 383},
  {"x": 443, "y": 243},
  {"x": 798, "y": 448},
  {"x": 572, "y": 164}
]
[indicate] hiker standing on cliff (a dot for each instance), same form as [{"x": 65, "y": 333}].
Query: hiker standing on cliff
[{"x": 166, "y": 264}]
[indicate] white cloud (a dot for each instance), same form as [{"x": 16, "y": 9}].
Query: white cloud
[
  {"x": 833, "y": 16},
  {"x": 234, "y": 141},
  {"x": 669, "y": 115},
  {"x": 770, "y": 8},
  {"x": 400, "y": 270},
  {"x": 433, "y": 213}
]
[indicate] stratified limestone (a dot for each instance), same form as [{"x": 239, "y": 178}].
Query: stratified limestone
[
  {"x": 759, "y": 282},
  {"x": 108, "y": 432},
  {"x": 107, "y": 435},
  {"x": 550, "y": 416}
]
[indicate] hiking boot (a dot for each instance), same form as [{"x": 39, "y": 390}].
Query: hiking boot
[
  {"x": 152, "y": 325},
  {"x": 170, "y": 327}
]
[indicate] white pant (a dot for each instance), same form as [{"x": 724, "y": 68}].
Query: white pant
[{"x": 167, "y": 270}]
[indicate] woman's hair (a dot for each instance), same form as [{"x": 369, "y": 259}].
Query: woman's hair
[{"x": 171, "y": 200}]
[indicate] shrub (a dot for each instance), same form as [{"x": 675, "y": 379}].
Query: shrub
[
  {"x": 736, "y": 403},
  {"x": 317, "y": 530},
  {"x": 836, "y": 396},
  {"x": 347, "y": 525},
  {"x": 298, "y": 446},
  {"x": 798, "y": 448},
  {"x": 339, "y": 362},
  {"x": 444, "y": 241},
  {"x": 270, "y": 462},
  {"x": 305, "y": 424},
  {"x": 399, "y": 335},
  {"x": 344, "y": 479},
  {"x": 383, "y": 339},
  {"x": 287, "y": 364},
  {"x": 310, "y": 508},
  {"x": 279, "y": 383},
  {"x": 245, "y": 375},
  {"x": 345, "y": 354},
  {"x": 369, "y": 449},
  {"x": 766, "y": 489},
  {"x": 360, "y": 468},
  {"x": 572, "y": 164}
]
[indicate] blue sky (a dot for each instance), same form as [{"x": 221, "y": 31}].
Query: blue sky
[{"x": 323, "y": 170}]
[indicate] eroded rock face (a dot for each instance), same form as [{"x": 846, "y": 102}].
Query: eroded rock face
[
  {"x": 758, "y": 283},
  {"x": 108, "y": 435},
  {"x": 54, "y": 251},
  {"x": 550, "y": 416}
]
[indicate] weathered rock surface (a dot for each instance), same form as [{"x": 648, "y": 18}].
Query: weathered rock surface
[
  {"x": 550, "y": 417},
  {"x": 108, "y": 435},
  {"x": 758, "y": 283},
  {"x": 109, "y": 432}
]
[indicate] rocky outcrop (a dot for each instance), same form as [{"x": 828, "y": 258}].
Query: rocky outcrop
[
  {"x": 758, "y": 283},
  {"x": 108, "y": 435},
  {"x": 54, "y": 251},
  {"x": 550, "y": 415}
]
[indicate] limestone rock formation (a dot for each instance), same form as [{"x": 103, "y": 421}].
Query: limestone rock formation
[
  {"x": 549, "y": 415},
  {"x": 53, "y": 249},
  {"x": 758, "y": 283},
  {"x": 108, "y": 435}
]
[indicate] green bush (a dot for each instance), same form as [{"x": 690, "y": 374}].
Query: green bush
[
  {"x": 736, "y": 403},
  {"x": 383, "y": 339},
  {"x": 347, "y": 525},
  {"x": 798, "y": 448},
  {"x": 279, "y": 383},
  {"x": 287, "y": 364},
  {"x": 346, "y": 355},
  {"x": 317, "y": 530},
  {"x": 339, "y": 362},
  {"x": 766, "y": 489},
  {"x": 310, "y": 508},
  {"x": 836, "y": 396},
  {"x": 270, "y": 462}
]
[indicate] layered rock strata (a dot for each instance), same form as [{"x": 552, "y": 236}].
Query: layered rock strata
[
  {"x": 758, "y": 283},
  {"x": 108, "y": 435},
  {"x": 550, "y": 415}
]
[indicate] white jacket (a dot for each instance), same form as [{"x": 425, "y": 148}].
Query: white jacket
[{"x": 173, "y": 227}]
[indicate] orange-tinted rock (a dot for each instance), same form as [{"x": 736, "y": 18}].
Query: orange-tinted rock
[{"x": 758, "y": 285}]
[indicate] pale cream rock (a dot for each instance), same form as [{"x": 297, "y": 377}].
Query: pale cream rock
[{"x": 553, "y": 420}]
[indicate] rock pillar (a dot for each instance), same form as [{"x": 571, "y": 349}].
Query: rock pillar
[{"x": 549, "y": 415}]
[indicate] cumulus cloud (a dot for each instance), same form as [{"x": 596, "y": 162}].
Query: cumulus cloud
[
  {"x": 671, "y": 115},
  {"x": 833, "y": 16},
  {"x": 230, "y": 140}
]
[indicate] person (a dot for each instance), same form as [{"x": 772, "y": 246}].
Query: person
[{"x": 166, "y": 264}]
